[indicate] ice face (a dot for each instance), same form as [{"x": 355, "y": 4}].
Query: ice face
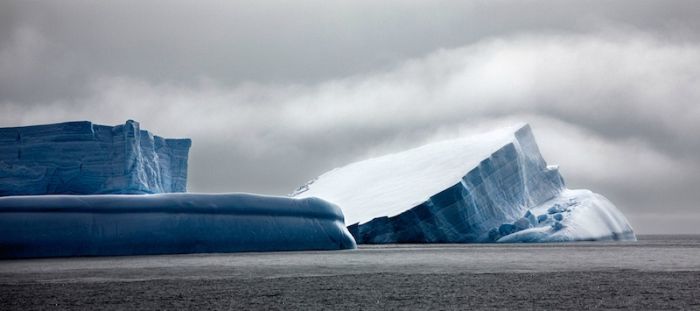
[
  {"x": 86, "y": 158},
  {"x": 96, "y": 225},
  {"x": 475, "y": 189}
]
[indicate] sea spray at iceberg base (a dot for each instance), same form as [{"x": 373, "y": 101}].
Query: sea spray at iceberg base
[
  {"x": 493, "y": 187},
  {"x": 574, "y": 215}
]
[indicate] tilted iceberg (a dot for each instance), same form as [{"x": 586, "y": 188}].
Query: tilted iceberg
[
  {"x": 86, "y": 158},
  {"x": 92, "y": 225},
  {"x": 493, "y": 187}
]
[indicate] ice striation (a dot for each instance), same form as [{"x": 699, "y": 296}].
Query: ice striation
[
  {"x": 493, "y": 187},
  {"x": 86, "y": 158},
  {"x": 99, "y": 225}
]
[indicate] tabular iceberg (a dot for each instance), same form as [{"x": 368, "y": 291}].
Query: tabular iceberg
[
  {"x": 115, "y": 185},
  {"x": 92, "y": 225},
  {"x": 86, "y": 158},
  {"x": 493, "y": 187}
]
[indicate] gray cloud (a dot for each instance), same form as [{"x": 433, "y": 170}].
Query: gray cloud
[
  {"x": 612, "y": 94},
  {"x": 287, "y": 42}
]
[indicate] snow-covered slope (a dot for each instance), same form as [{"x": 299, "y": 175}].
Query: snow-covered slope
[
  {"x": 463, "y": 190},
  {"x": 86, "y": 158},
  {"x": 92, "y": 225}
]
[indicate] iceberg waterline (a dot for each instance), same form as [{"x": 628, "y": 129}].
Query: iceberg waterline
[{"x": 493, "y": 187}]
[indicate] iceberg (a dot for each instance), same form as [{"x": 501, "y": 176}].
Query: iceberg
[
  {"x": 492, "y": 187},
  {"x": 82, "y": 189},
  {"x": 86, "y": 158},
  {"x": 101, "y": 225}
]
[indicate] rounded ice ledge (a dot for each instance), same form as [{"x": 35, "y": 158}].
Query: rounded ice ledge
[{"x": 100, "y": 225}]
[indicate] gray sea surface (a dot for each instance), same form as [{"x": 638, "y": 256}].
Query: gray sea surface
[
  {"x": 650, "y": 253},
  {"x": 656, "y": 272}
]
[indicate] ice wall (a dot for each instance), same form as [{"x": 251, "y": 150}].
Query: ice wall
[
  {"x": 476, "y": 189},
  {"x": 86, "y": 158},
  {"x": 92, "y": 225}
]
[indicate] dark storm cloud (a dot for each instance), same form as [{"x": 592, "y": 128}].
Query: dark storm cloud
[
  {"x": 279, "y": 41},
  {"x": 274, "y": 94}
]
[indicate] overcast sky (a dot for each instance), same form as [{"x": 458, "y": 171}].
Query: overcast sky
[{"x": 274, "y": 93}]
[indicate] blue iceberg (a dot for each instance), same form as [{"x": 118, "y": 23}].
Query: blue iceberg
[
  {"x": 100, "y": 225},
  {"x": 493, "y": 187},
  {"x": 82, "y": 189},
  {"x": 86, "y": 158}
]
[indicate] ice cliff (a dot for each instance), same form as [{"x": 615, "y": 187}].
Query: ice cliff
[
  {"x": 493, "y": 187},
  {"x": 99, "y": 225},
  {"x": 87, "y": 158}
]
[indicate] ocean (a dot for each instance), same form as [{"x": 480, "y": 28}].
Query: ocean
[{"x": 656, "y": 272}]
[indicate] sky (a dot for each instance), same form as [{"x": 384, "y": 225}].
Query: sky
[{"x": 274, "y": 93}]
